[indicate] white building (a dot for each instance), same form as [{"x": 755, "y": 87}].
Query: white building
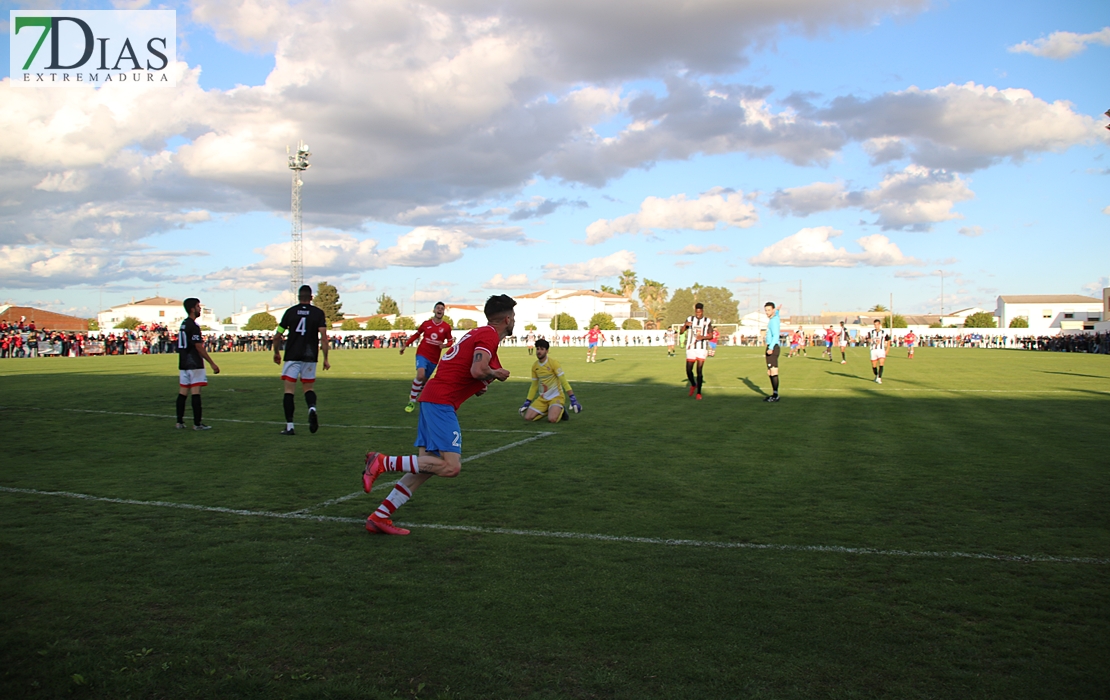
[
  {"x": 241, "y": 317},
  {"x": 161, "y": 310},
  {"x": 539, "y": 308},
  {"x": 1051, "y": 311},
  {"x": 956, "y": 319}
]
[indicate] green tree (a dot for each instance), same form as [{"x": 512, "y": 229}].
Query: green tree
[
  {"x": 261, "y": 321},
  {"x": 227, "y": 319},
  {"x": 981, "y": 319},
  {"x": 129, "y": 322},
  {"x": 718, "y": 301},
  {"x": 563, "y": 321},
  {"x": 1019, "y": 322},
  {"x": 404, "y": 323},
  {"x": 899, "y": 321},
  {"x": 387, "y": 305},
  {"x": 603, "y": 321},
  {"x": 377, "y": 323},
  {"x": 349, "y": 324},
  {"x": 936, "y": 324},
  {"x": 878, "y": 307},
  {"x": 327, "y": 298},
  {"x": 467, "y": 323},
  {"x": 94, "y": 325},
  {"x": 530, "y": 327},
  {"x": 654, "y": 297},
  {"x": 632, "y": 324},
  {"x": 448, "y": 321},
  {"x": 609, "y": 289}
]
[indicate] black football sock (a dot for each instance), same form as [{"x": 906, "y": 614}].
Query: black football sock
[
  {"x": 875, "y": 371},
  {"x": 690, "y": 373},
  {"x": 842, "y": 355},
  {"x": 699, "y": 379},
  {"x": 880, "y": 371},
  {"x": 310, "y": 398},
  {"x": 775, "y": 384},
  {"x": 196, "y": 409},
  {"x": 181, "y": 408},
  {"x": 287, "y": 402}
]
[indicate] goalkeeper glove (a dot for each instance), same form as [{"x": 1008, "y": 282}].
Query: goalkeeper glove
[
  {"x": 574, "y": 405},
  {"x": 527, "y": 403}
]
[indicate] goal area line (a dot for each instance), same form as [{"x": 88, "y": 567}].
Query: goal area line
[{"x": 552, "y": 534}]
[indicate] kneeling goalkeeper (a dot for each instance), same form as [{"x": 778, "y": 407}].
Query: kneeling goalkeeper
[{"x": 552, "y": 388}]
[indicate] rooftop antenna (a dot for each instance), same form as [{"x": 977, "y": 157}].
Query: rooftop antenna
[{"x": 298, "y": 163}]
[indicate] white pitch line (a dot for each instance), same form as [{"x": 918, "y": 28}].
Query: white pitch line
[
  {"x": 262, "y": 422},
  {"x": 620, "y": 539},
  {"x": 356, "y": 494}
]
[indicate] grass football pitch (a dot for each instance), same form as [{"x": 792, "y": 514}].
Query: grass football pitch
[{"x": 943, "y": 535}]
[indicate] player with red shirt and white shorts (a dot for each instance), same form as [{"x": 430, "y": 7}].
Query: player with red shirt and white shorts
[
  {"x": 911, "y": 342},
  {"x": 592, "y": 337},
  {"x": 467, "y": 369},
  {"x": 436, "y": 335}
]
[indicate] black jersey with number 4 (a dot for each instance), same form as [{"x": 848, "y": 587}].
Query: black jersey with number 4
[
  {"x": 188, "y": 335},
  {"x": 303, "y": 323}
]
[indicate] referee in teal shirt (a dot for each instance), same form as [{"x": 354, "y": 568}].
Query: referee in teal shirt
[{"x": 773, "y": 324}]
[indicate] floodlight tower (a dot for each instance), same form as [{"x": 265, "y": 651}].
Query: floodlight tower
[{"x": 298, "y": 163}]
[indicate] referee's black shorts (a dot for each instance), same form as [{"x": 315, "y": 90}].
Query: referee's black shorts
[{"x": 773, "y": 358}]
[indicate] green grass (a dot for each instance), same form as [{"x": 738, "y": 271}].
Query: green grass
[{"x": 997, "y": 453}]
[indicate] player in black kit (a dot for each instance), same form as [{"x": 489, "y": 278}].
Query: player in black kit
[
  {"x": 308, "y": 334},
  {"x": 191, "y": 356}
]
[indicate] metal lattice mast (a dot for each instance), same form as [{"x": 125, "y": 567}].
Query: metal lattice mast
[{"x": 298, "y": 163}]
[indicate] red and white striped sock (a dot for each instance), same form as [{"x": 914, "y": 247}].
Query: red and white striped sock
[
  {"x": 398, "y": 497},
  {"x": 417, "y": 387},
  {"x": 407, "y": 464}
]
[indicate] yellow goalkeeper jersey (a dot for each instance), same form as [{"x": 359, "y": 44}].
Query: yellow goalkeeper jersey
[{"x": 548, "y": 380}]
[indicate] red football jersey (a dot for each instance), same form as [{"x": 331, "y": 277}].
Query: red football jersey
[
  {"x": 452, "y": 383},
  {"x": 593, "y": 335},
  {"x": 434, "y": 337}
]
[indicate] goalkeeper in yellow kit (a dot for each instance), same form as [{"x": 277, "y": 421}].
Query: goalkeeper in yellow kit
[{"x": 550, "y": 389}]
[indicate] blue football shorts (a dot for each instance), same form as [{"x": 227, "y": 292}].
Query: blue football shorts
[{"x": 437, "y": 428}]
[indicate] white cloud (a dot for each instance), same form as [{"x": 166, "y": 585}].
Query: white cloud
[
  {"x": 86, "y": 261},
  {"x": 696, "y": 250},
  {"x": 1095, "y": 288},
  {"x": 812, "y": 247},
  {"x": 971, "y": 231},
  {"x": 1061, "y": 45},
  {"x": 960, "y": 127},
  {"x": 913, "y": 199},
  {"x": 1106, "y": 211},
  {"x": 715, "y": 207},
  {"x": 68, "y": 181},
  {"x": 499, "y": 281},
  {"x": 609, "y": 266}
]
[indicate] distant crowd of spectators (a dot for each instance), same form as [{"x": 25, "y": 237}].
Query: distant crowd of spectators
[{"x": 23, "y": 339}]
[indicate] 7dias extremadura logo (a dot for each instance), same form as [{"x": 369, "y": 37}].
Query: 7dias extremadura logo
[{"x": 56, "y": 48}]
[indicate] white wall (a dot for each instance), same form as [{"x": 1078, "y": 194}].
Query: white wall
[{"x": 1047, "y": 316}]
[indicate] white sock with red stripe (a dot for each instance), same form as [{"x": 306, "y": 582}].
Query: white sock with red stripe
[
  {"x": 417, "y": 387},
  {"x": 398, "y": 497},
  {"x": 407, "y": 464}
]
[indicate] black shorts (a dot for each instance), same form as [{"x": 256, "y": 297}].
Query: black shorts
[{"x": 773, "y": 358}]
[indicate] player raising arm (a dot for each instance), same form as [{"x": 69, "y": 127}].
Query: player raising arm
[
  {"x": 467, "y": 369},
  {"x": 437, "y": 335},
  {"x": 551, "y": 386}
]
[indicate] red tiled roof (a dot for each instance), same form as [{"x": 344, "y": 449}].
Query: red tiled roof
[{"x": 47, "y": 320}]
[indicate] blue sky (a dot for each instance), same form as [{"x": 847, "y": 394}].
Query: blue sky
[{"x": 859, "y": 148}]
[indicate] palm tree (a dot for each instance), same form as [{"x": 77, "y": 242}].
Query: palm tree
[
  {"x": 627, "y": 283},
  {"x": 654, "y": 296},
  {"x": 878, "y": 307}
]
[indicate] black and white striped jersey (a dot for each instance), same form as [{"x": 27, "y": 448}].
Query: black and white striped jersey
[
  {"x": 877, "y": 340},
  {"x": 698, "y": 326}
]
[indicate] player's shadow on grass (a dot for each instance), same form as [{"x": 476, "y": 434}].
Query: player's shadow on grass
[
  {"x": 851, "y": 376},
  {"x": 753, "y": 386},
  {"x": 607, "y": 359},
  {"x": 1071, "y": 374}
]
